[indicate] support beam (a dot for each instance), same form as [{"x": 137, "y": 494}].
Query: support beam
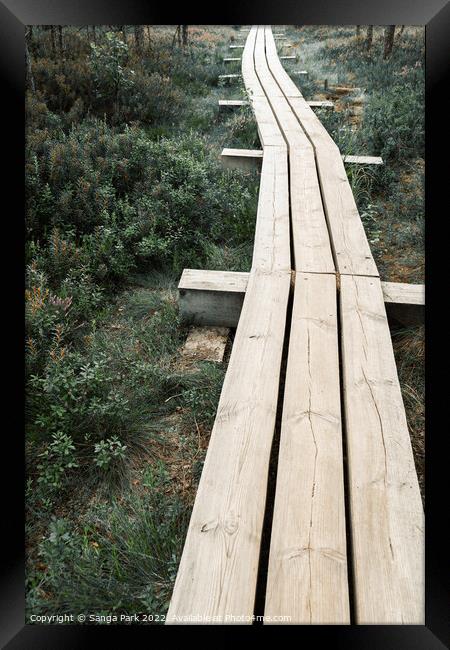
[
  {"x": 216, "y": 297},
  {"x": 363, "y": 160},
  {"x": 246, "y": 159},
  {"x": 236, "y": 103},
  {"x": 232, "y": 103},
  {"x": 405, "y": 303},
  {"x": 229, "y": 77},
  {"x": 320, "y": 104}
]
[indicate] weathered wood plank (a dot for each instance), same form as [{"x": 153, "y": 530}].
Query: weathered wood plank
[
  {"x": 205, "y": 280},
  {"x": 405, "y": 303},
  {"x": 232, "y": 103},
  {"x": 351, "y": 249},
  {"x": 218, "y": 569},
  {"x": 307, "y": 577},
  {"x": 212, "y": 298},
  {"x": 229, "y": 77},
  {"x": 320, "y": 104},
  {"x": 385, "y": 504},
  {"x": 363, "y": 160},
  {"x": 311, "y": 242},
  {"x": 223, "y": 295},
  {"x": 404, "y": 294},
  {"x": 271, "y": 251},
  {"x": 247, "y": 159}
]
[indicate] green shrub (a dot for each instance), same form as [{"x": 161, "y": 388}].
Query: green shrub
[{"x": 124, "y": 558}]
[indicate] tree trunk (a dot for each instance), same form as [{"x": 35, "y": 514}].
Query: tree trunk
[
  {"x": 399, "y": 34},
  {"x": 358, "y": 31},
  {"x": 53, "y": 37},
  {"x": 369, "y": 37},
  {"x": 29, "y": 70},
  {"x": 94, "y": 34},
  {"x": 139, "y": 37},
  {"x": 185, "y": 34},
  {"x": 61, "y": 43},
  {"x": 389, "y": 33}
]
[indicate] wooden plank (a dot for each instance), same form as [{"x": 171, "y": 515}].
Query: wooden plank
[
  {"x": 307, "y": 577},
  {"x": 268, "y": 130},
  {"x": 405, "y": 303},
  {"x": 404, "y": 294},
  {"x": 363, "y": 160},
  {"x": 351, "y": 249},
  {"x": 229, "y": 77},
  {"x": 216, "y": 580},
  {"x": 246, "y": 159},
  {"x": 212, "y": 297},
  {"x": 232, "y": 103},
  {"x": 320, "y": 104},
  {"x": 218, "y": 570},
  {"x": 204, "y": 280},
  {"x": 222, "y": 295},
  {"x": 311, "y": 242},
  {"x": 385, "y": 504},
  {"x": 271, "y": 251}
]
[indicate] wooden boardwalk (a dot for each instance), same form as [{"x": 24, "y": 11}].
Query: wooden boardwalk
[{"x": 343, "y": 429}]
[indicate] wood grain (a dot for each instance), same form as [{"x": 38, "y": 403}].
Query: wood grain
[
  {"x": 386, "y": 510},
  {"x": 307, "y": 578}
]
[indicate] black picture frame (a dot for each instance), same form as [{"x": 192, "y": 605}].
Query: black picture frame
[{"x": 14, "y": 15}]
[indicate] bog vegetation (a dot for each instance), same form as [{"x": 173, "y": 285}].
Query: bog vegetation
[{"x": 125, "y": 189}]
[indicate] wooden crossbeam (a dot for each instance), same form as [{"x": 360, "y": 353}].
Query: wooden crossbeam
[
  {"x": 320, "y": 104},
  {"x": 216, "y": 297},
  {"x": 232, "y": 157},
  {"x": 246, "y": 159},
  {"x": 363, "y": 160},
  {"x": 236, "y": 103},
  {"x": 229, "y": 77},
  {"x": 232, "y": 103}
]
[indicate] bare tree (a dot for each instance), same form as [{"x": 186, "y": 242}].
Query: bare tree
[
  {"x": 369, "y": 37},
  {"x": 28, "y": 62},
  {"x": 177, "y": 36},
  {"x": 60, "y": 38},
  {"x": 185, "y": 34},
  {"x": 139, "y": 37},
  {"x": 399, "y": 34},
  {"x": 53, "y": 37},
  {"x": 389, "y": 33}
]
